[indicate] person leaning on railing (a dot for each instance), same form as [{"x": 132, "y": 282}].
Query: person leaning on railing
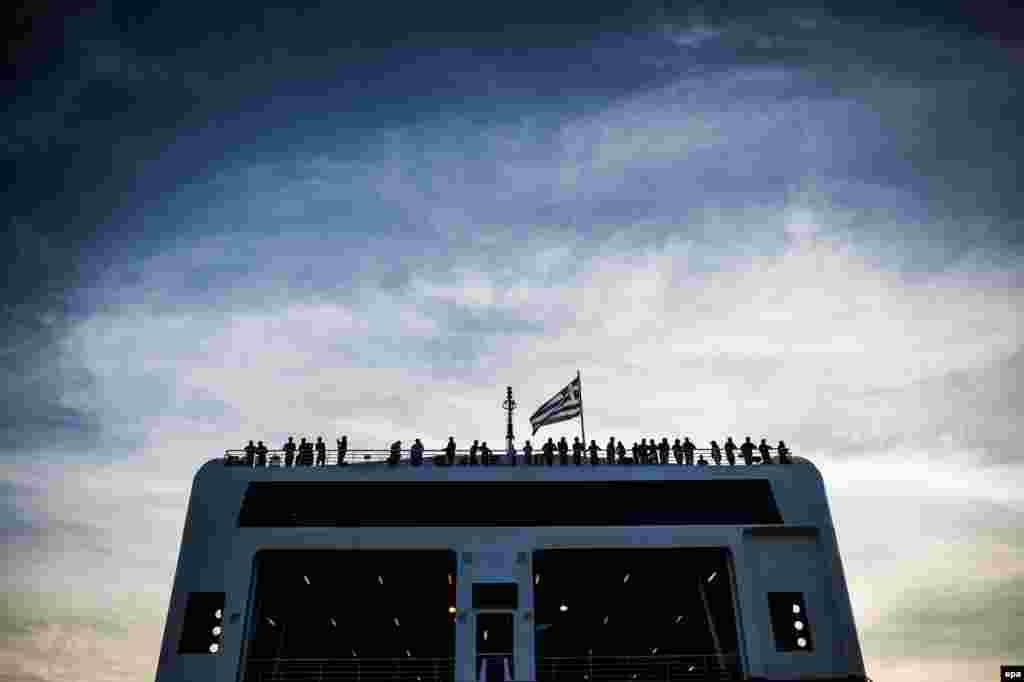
[
  {"x": 449, "y": 450},
  {"x": 527, "y": 453},
  {"x": 764, "y": 449},
  {"x": 342, "y": 450},
  {"x": 396, "y": 453},
  {"x": 416, "y": 453},
  {"x": 688, "y": 450},
  {"x": 783, "y": 453},
  {"x": 250, "y": 454},
  {"x": 289, "y": 451},
  {"x": 261, "y": 454}
]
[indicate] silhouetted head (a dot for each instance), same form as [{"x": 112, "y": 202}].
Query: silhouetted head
[
  {"x": 303, "y": 440},
  {"x": 782, "y": 443},
  {"x": 643, "y": 441},
  {"x": 417, "y": 440},
  {"x": 476, "y": 442},
  {"x": 592, "y": 442},
  {"x": 576, "y": 439},
  {"x": 549, "y": 440},
  {"x": 687, "y": 439},
  {"x": 728, "y": 440},
  {"x": 764, "y": 442},
  {"x": 250, "y": 442},
  {"x": 261, "y": 443},
  {"x": 748, "y": 439},
  {"x": 677, "y": 442},
  {"x": 451, "y": 438},
  {"x": 714, "y": 443},
  {"x": 319, "y": 439},
  {"x": 290, "y": 439}
]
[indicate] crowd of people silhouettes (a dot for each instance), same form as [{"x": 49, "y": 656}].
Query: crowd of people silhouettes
[{"x": 646, "y": 451}]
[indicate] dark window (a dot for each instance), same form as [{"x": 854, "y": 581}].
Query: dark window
[
  {"x": 790, "y": 622},
  {"x": 202, "y": 632},
  {"x": 495, "y": 596},
  {"x": 557, "y": 503}
]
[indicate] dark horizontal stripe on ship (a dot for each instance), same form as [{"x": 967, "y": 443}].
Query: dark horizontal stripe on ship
[{"x": 508, "y": 504}]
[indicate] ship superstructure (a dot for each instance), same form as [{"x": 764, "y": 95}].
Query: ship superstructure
[{"x": 374, "y": 571}]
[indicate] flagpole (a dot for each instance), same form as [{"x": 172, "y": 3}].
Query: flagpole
[{"x": 583, "y": 430}]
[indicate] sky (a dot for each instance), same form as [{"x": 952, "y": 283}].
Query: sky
[{"x": 234, "y": 221}]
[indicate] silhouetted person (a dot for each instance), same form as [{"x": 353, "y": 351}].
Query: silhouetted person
[
  {"x": 321, "y": 452},
  {"x": 577, "y": 451},
  {"x": 473, "y": 449},
  {"x": 485, "y": 454},
  {"x": 416, "y": 453},
  {"x": 642, "y": 459},
  {"x": 748, "y": 451},
  {"x": 677, "y": 452},
  {"x": 250, "y": 454},
  {"x": 261, "y": 454},
  {"x": 342, "y": 450},
  {"x": 663, "y": 451},
  {"x": 635, "y": 451},
  {"x": 730, "y": 451},
  {"x": 764, "y": 449},
  {"x": 305, "y": 453},
  {"x": 449, "y": 450},
  {"x": 563, "y": 451},
  {"x": 593, "y": 451},
  {"x": 527, "y": 453},
  {"x": 783, "y": 453},
  {"x": 289, "y": 451},
  {"x": 688, "y": 450},
  {"x": 549, "y": 452},
  {"x": 716, "y": 453},
  {"x": 620, "y": 452},
  {"x": 396, "y": 453},
  {"x": 609, "y": 451}
]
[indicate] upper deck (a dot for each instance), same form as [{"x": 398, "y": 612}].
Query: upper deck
[{"x": 761, "y": 532}]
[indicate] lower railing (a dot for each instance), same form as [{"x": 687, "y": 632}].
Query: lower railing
[
  {"x": 345, "y": 669},
  {"x": 627, "y": 668},
  {"x": 590, "y": 668}
]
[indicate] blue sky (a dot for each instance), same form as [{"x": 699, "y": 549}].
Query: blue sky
[{"x": 250, "y": 223}]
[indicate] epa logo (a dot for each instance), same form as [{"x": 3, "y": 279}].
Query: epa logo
[
  {"x": 1011, "y": 675},
  {"x": 1011, "y": 672}
]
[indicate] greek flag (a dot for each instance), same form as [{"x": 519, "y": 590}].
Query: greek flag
[{"x": 566, "y": 404}]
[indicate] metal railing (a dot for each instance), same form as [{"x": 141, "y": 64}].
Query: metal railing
[
  {"x": 277, "y": 458},
  {"x": 626, "y": 668},
  {"x": 344, "y": 669}
]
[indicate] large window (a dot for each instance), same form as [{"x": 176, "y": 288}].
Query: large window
[
  {"x": 654, "y": 613},
  {"x": 353, "y": 614}
]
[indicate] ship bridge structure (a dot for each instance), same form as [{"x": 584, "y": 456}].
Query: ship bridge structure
[{"x": 386, "y": 568}]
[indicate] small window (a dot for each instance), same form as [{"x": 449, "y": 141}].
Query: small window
[
  {"x": 203, "y": 631},
  {"x": 495, "y": 596},
  {"x": 790, "y": 622}
]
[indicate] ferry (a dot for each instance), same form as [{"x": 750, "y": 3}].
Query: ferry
[{"x": 377, "y": 568}]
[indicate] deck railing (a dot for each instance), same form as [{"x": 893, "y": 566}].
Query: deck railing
[
  {"x": 591, "y": 668},
  {"x": 331, "y": 669},
  {"x": 627, "y": 668},
  {"x": 276, "y": 458}
]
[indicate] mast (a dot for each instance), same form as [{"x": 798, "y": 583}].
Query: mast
[
  {"x": 583, "y": 431},
  {"x": 509, "y": 405}
]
